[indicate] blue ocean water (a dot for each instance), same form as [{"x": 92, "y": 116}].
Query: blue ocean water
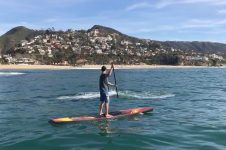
[{"x": 189, "y": 109}]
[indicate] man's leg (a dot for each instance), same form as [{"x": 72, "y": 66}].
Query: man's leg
[
  {"x": 107, "y": 108},
  {"x": 101, "y": 108}
]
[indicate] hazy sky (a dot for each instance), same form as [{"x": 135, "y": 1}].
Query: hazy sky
[{"x": 184, "y": 20}]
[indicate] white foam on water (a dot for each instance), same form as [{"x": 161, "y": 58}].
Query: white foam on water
[
  {"x": 85, "y": 95},
  {"x": 11, "y": 73},
  {"x": 146, "y": 95},
  {"x": 122, "y": 94}
]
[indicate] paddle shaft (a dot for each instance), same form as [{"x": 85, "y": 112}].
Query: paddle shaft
[{"x": 116, "y": 88}]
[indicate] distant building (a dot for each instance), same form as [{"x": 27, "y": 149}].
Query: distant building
[
  {"x": 96, "y": 32},
  {"x": 24, "y": 61},
  {"x": 99, "y": 51},
  {"x": 23, "y": 43},
  {"x": 215, "y": 56}
]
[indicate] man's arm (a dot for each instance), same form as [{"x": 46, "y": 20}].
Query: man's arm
[
  {"x": 110, "y": 84},
  {"x": 110, "y": 70}
]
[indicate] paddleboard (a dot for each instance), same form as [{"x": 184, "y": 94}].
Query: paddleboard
[{"x": 116, "y": 114}]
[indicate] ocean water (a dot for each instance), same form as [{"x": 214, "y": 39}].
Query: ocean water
[{"x": 189, "y": 110}]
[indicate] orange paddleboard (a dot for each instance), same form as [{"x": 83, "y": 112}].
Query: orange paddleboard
[{"x": 116, "y": 114}]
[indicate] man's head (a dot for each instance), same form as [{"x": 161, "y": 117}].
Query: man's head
[{"x": 103, "y": 68}]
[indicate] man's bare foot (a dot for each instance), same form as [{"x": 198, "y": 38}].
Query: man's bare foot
[
  {"x": 108, "y": 116},
  {"x": 101, "y": 114}
]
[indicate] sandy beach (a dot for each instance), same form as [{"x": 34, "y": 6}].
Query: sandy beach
[{"x": 55, "y": 67}]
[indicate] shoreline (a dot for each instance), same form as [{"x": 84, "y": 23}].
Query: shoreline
[{"x": 55, "y": 67}]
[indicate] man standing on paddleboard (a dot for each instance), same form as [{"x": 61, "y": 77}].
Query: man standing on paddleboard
[{"x": 103, "y": 86}]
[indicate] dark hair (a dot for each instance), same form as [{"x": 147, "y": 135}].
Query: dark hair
[{"x": 103, "y": 68}]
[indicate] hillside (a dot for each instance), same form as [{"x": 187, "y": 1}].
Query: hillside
[
  {"x": 14, "y": 36},
  {"x": 203, "y": 47},
  {"x": 100, "y": 45},
  {"x": 104, "y": 31}
]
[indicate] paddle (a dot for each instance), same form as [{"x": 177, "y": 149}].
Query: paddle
[{"x": 116, "y": 88}]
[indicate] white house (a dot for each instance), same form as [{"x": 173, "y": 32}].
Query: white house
[
  {"x": 24, "y": 42},
  {"x": 99, "y": 51},
  {"x": 215, "y": 56}
]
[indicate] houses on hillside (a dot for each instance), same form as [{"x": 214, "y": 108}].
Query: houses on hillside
[{"x": 95, "y": 42}]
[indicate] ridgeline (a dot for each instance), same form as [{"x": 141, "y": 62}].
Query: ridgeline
[{"x": 100, "y": 45}]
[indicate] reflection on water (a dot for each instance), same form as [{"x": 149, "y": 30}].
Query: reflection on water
[{"x": 104, "y": 127}]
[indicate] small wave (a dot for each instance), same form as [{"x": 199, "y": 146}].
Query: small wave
[
  {"x": 85, "y": 95},
  {"x": 145, "y": 95},
  {"x": 122, "y": 94},
  {"x": 11, "y": 73}
]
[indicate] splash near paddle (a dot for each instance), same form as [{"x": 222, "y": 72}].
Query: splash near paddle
[{"x": 116, "y": 114}]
